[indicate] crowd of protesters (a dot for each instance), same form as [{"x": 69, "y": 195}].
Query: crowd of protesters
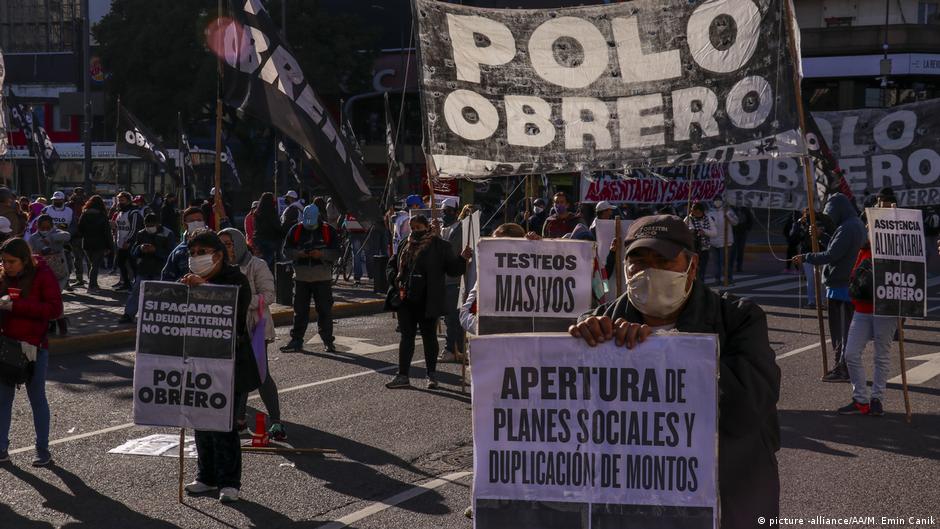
[{"x": 47, "y": 243}]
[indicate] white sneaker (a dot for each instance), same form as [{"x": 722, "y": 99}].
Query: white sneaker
[
  {"x": 198, "y": 487},
  {"x": 228, "y": 495}
]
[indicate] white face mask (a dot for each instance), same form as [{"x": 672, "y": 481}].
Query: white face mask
[
  {"x": 538, "y": 209},
  {"x": 719, "y": 204},
  {"x": 201, "y": 265},
  {"x": 195, "y": 225},
  {"x": 658, "y": 292},
  {"x": 151, "y": 229}
]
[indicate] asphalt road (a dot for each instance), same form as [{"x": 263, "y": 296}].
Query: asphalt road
[{"x": 404, "y": 457}]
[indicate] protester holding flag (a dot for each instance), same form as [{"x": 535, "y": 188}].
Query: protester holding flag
[
  {"x": 259, "y": 311},
  {"x": 267, "y": 235},
  {"x": 838, "y": 258},
  {"x": 95, "y": 232},
  {"x": 663, "y": 296},
  {"x": 416, "y": 284},
  {"x": 313, "y": 245},
  {"x": 30, "y": 299},
  {"x": 219, "y": 453}
]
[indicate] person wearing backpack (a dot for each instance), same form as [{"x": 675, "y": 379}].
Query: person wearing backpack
[
  {"x": 865, "y": 327},
  {"x": 29, "y": 299}
]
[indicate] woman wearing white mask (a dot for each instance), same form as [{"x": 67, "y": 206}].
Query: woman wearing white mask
[
  {"x": 177, "y": 264},
  {"x": 219, "y": 453},
  {"x": 663, "y": 296}
]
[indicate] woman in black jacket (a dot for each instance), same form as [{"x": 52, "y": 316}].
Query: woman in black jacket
[
  {"x": 417, "y": 291},
  {"x": 267, "y": 234},
  {"x": 94, "y": 229},
  {"x": 219, "y": 453}
]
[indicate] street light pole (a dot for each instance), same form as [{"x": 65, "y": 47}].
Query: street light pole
[{"x": 86, "y": 97}]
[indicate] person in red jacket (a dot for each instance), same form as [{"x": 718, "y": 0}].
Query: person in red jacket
[
  {"x": 867, "y": 327},
  {"x": 29, "y": 299}
]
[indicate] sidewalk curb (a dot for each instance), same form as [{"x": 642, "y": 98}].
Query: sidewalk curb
[{"x": 94, "y": 343}]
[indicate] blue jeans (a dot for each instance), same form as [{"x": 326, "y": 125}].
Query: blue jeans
[
  {"x": 719, "y": 254},
  {"x": 36, "y": 391},
  {"x": 358, "y": 254},
  {"x": 880, "y": 330},
  {"x": 133, "y": 298},
  {"x": 455, "y": 332},
  {"x": 268, "y": 251},
  {"x": 810, "y": 283}
]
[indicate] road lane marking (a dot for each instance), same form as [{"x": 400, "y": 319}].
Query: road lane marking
[
  {"x": 800, "y": 350},
  {"x": 921, "y": 374},
  {"x": 252, "y": 397},
  {"x": 397, "y": 499}
]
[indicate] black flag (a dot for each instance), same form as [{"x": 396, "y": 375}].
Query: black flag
[
  {"x": 229, "y": 160},
  {"x": 292, "y": 166},
  {"x": 264, "y": 79},
  {"x": 830, "y": 178},
  {"x": 37, "y": 140},
  {"x": 135, "y": 139},
  {"x": 3, "y": 119}
]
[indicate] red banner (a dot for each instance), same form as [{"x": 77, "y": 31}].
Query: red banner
[{"x": 649, "y": 190}]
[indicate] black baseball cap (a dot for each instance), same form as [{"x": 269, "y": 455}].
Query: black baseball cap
[{"x": 666, "y": 235}]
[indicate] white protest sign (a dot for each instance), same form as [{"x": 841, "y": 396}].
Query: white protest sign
[
  {"x": 528, "y": 286},
  {"x": 185, "y": 362},
  {"x": 899, "y": 261},
  {"x": 165, "y": 445},
  {"x": 471, "y": 236},
  {"x": 557, "y": 420}
]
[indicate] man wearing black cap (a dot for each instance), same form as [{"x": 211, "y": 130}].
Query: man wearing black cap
[{"x": 663, "y": 295}]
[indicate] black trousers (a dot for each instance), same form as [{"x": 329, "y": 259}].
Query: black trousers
[
  {"x": 840, "y": 317},
  {"x": 322, "y": 294},
  {"x": 123, "y": 260},
  {"x": 410, "y": 319},
  {"x": 219, "y": 457}
]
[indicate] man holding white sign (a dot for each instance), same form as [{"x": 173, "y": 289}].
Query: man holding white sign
[{"x": 662, "y": 296}]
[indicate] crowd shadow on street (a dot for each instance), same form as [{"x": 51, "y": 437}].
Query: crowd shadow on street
[
  {"x": 89, "y": 508},
  {"x": 812, "y": 430}
]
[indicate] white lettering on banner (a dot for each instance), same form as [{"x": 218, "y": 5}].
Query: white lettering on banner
[
  {"x": 746, "y": 19},
  {"x": 694, "y": 105},
  {"x": 785, "y": 173},
  {"x": 741, "y": 93},
  {"x": 847, "y": 138},
  {"x": 637, "y": 66},
  {"x": 243, "y": 46},
  {"x": 486, "y": 118},
  {"x": 882, "y": 131},
  {"x": 636, "y": 114},
  {"x": 528, "y": 121},
  {"x": 585, "y": 116},
  {"x": 924, "y": 166},
  {"x": 468, "y": 55},
  {"x": 556, "y": 420},
  {"x": 886, "y": 166},
  {"x": 283, "y": 69},
  {"x": 578, "y": 74}
]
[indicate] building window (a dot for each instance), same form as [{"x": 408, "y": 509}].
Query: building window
[
  {"x": 927, "y": 13},
  {"x": 60, "y": 122}
]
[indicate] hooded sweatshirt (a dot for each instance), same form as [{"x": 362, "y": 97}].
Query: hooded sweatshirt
[
  {"x": 259, "y": 277},
  {"x": 839, "y": 255}
]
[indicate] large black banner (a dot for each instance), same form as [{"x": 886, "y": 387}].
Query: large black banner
[
  {"x": 638, "y": 84},
  {"x": 264, "y": 79},
  {"x": 135, "y": 139},
  {"x": 873, "y": 148}
]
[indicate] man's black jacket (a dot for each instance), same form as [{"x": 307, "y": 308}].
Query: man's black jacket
[{"x": 749, "y": 386}]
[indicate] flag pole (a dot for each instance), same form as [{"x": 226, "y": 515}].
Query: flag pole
[
  {"x": 179, "y": 148},
  {"x": 182, "y": 445},
  {"x": 117, "y": 138},
  {"x": 618, "y": 256},
  {"x": 810, "y": 188},
  {"x": 217, "y": 206}
]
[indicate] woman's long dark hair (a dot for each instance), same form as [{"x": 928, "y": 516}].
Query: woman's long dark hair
[
  {"x": 95, "y": 202},
  {"x": 17, "y": 247},
  {"x": 267, "y": 209}
]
